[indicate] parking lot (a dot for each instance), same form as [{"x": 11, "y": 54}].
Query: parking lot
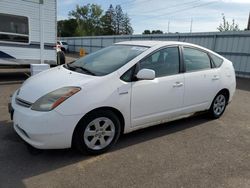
[{"x": 192, "y": 152}]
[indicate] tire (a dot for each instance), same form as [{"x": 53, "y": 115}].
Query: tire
[
  {"x": 97, "y": 132},
  {"x": 60, "y": 58},
  {"x": 218, "y": 105}
]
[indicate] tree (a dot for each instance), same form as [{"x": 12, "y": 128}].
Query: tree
[
  {"x": 226, "y": 26},
  {"x": 119, "y": 16},
  {"x": 88, "y": 18},
  {"x": 66, "y": 28},
  {"x": 146, "y": 32},
  {"x": 126, "y": 26},
  {"x": 115, "y": 22},
  {"x": 107, "y": 21},
  {"x": 157, "y": 32}
]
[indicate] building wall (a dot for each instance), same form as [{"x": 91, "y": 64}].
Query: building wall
[
  {"x": 39, "y": 34},
  {"x": 235, "y": 46}
]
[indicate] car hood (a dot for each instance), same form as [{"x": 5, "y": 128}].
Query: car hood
[{"x": 50, "y": 80}]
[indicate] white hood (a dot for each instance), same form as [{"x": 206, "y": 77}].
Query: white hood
[{"x": 50, "y": 80}]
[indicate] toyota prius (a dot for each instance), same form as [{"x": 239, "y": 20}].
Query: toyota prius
[{"x": 130, "y": 85}]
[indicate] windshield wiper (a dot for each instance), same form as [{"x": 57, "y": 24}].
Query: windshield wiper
[
  {"x": 72, "y": 67},
  {"x": 83, "y": 69},
  {"x": 67, "y": 65}
]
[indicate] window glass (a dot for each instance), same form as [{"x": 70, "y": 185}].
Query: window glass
[
  {"x": 108, "y": 59},
  {"x": 195, "y": 60},
  {"x": 64, "y": 43},
  {"x": 164, "y": 62},
  {"x": 14, "y": 28},
  {"x": 217, "y": 60},
  {"x": 127, "y": 76}
]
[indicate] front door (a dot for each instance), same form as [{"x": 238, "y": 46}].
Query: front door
[{"x": 162, "y": 98}]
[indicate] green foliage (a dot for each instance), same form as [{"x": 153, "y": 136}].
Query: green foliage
[
  {"x": 89, "y": 20},
  {"x": 108, "y": 23},
  {"x": 67, "y": 28},
  {"x": 126, "y": 26},
  {"x": 146, "y": 32},
  {"x": 226, "y": 26},
  {"x": 157, "y": 32},
  {"x": 118, "y": 20}
]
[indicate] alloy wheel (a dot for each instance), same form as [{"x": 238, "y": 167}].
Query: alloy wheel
[
  {"x": 219, "y": 104},
  {"x": 99, "y": 133}
]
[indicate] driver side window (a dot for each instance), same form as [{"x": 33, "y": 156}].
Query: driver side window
[{"x": 164, "y": 62}]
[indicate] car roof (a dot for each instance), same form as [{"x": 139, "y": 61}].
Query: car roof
[{"x": 151, "y": 43}]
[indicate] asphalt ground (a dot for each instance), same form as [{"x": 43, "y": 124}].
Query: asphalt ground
[{"x": 192, "y": 152}]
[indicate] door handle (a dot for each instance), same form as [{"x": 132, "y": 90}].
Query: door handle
[
  {"x": 215, "y": 77},
  {"x": 178, "y": 84}
]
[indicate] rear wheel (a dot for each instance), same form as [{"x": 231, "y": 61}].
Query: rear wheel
[
  {"x": 97, "y": 132},
  {"x": 218, "y": 105}
]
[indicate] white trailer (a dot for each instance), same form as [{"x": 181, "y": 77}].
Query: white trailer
[{"x": 27, "y": 32}]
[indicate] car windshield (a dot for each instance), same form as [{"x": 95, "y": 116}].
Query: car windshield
[
  {"x": 64, "y": 43},
  {"x": 106, "y": 60}
]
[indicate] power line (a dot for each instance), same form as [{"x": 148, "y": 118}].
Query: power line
[
  {"x": 128, "y": 2},
  {"x": 169, "y": 7},
  {"x": 184, "y": 9}
]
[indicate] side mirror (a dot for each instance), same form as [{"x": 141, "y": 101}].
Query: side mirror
[{"x": 145, "y": 74}]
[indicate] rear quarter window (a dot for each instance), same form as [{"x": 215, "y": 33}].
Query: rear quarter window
[{"x": 216, "y": 60}]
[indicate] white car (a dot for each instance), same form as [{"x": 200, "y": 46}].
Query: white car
[{"x": 119, "y": 89}]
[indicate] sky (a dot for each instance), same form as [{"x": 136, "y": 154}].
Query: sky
[{"x": 171, "y": 15}]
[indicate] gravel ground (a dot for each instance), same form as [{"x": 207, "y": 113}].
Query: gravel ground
[{"x": 193, "y": 152}]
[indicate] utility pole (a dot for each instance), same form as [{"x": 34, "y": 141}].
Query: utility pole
[
  {"x": 191, "y": 25},
  {"x": 168, "y": 25},
  {"x": 248, "y": 25}
]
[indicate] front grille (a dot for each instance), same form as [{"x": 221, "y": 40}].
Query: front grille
[{"x": 23, "y": 103}]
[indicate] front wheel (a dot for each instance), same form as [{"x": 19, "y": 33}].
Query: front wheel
[
  {"x": 218, "y": 105},
  {"x": 97, "y": 132}
]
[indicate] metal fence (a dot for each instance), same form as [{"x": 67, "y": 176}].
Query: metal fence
[{"x": 235, "y": 46}]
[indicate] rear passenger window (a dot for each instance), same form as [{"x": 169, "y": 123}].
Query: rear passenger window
[
  {"x": 217, "y": 60},
  {"x": 195, "y": 60},
  {"x": 164, "y": 62}
]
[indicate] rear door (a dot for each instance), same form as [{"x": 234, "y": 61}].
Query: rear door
[{"x": 201, "y": 80}]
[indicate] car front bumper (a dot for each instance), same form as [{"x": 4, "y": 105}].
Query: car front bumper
[{"x": 43, "y": 130}]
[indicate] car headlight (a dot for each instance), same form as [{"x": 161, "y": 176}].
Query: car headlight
[{"x": 53, "y": 99}]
